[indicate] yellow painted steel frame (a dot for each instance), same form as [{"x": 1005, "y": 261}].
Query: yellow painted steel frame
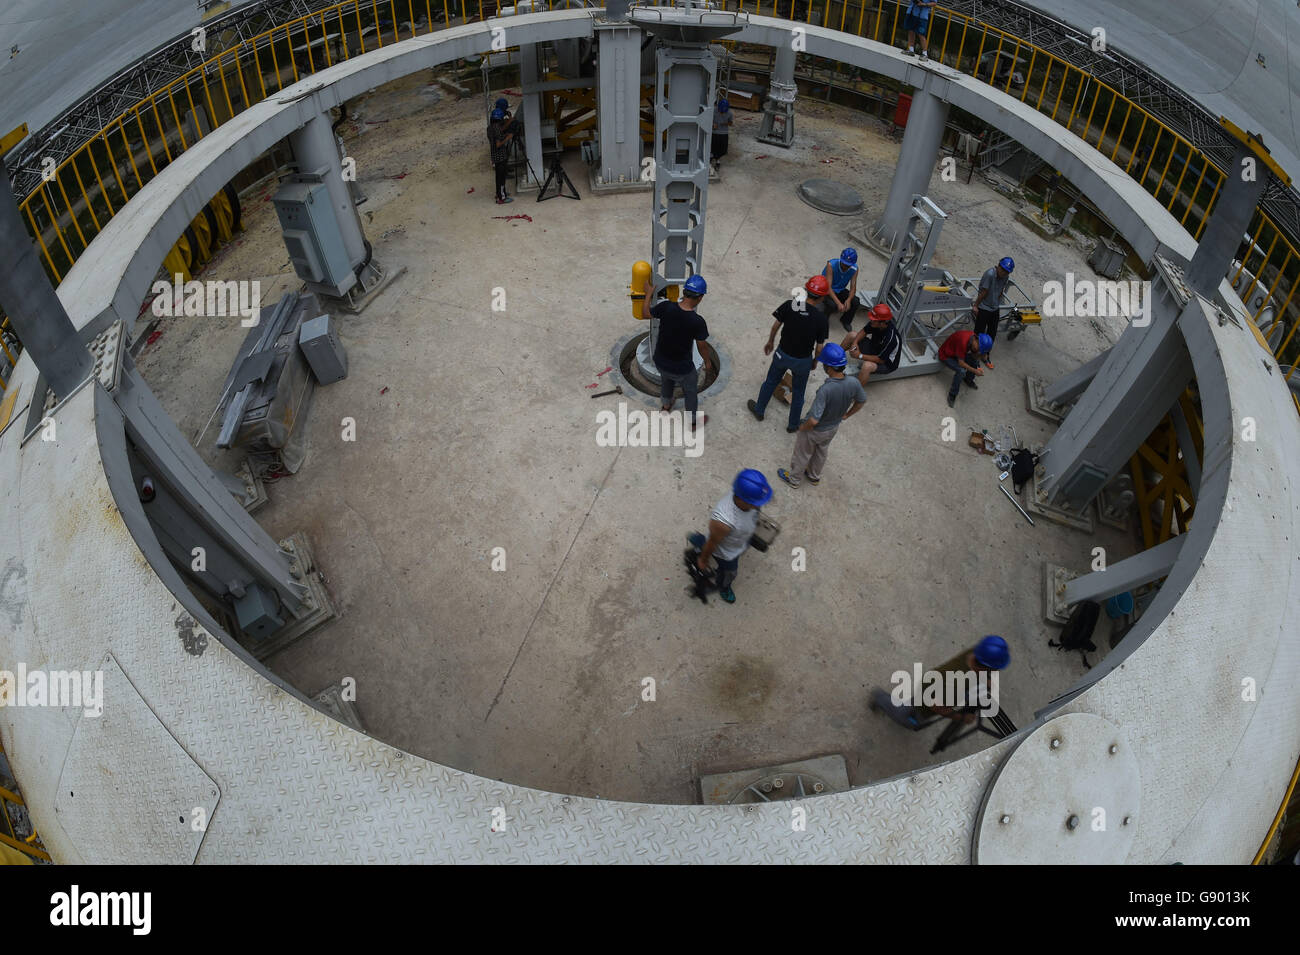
[
  {"x": 31, "y": 846},
  {"x": 1160, "y": 476}
]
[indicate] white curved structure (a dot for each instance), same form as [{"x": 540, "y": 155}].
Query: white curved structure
[{"x": 192, "y": 721}]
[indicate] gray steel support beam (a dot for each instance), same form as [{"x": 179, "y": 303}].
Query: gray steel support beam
[
  {"x": 316, "y": 151},
  {"x": 1142, "y": 377},
  {"x": 200, "y": 492},
  {"x": 532, "y": 110},
  {"x": 778, "y": 110},
  {"x": 1068, "y": 387},
  {"x": 917, "y": 159},
  {"x": 618, "y": 101},
  {"x": 34, "y": 310},
  {"x": 1228, "y": 222},
  {"x": 1149, "y": 565}
]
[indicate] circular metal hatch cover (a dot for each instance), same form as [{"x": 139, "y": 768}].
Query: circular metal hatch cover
[
  {"x": 826, "y": 195},
  {"x": 1068, "y": 794}
]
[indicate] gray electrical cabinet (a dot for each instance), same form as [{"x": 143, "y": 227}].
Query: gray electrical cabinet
[
  {"x": 319, "y": 341},
  {"x": 312, "y": 236}
]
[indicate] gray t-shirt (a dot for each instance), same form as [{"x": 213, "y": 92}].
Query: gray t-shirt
[
  {"x": 835, "y": 397},
  {"x": 742, "y": 524},
  {"x": 996, "y": 286}
]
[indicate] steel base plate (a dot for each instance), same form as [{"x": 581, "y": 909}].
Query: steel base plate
[
  {"x": 319, "y": 607},
  {"x": 1055, "y": 577},
  {"x": 1036, "y": 503},
  {"x": 1068, "y": 795},
  {"x": 1036, "y": 404}
]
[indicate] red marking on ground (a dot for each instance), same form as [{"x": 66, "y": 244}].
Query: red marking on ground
[
  {"x": 763, "y": 156},
  {"x": 153, "y": 337},
  {"x": 469, "y": 190},
  {"x": 383, "y": 390},
  {"x": 609, "y": 369},
  {"x": 592, "y": 385}
]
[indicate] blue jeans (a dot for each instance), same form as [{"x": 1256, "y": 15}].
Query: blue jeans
[
  {"x": 726, "y": 569},
  {"x": 669, "y": 382},
  {"x": 799, "y": 369},
  {"x": 960, "y": 373}
]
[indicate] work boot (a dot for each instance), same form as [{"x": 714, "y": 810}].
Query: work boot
[
  {"x": 952, "y": 400},
  {"x": 970, "y": 382},
  {"x": 753, "y": 409}
]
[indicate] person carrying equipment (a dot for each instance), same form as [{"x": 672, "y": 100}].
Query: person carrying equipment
[
  {"x": 803, "y": 330},
  {"x": 986, "y": 309},
  {"x": 878, "y": 344},
  {"x": 961, "y": 351},
  {"x": 838, "y": 398},
  {"x": 731, "y": 527},
  {"x": 842, "y": 274},
  {"x": 991, "y": 653}
]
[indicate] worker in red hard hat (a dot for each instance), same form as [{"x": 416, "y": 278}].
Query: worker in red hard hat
[
  {"x": 803, "y": 326},
  {"x": 878, "y": 345}
]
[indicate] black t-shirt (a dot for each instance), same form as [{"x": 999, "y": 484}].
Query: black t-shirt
[
  {"x": 800, "y": 331},
  {"x": 678, "y": 329},
  {"x": 886, "y": 343}
]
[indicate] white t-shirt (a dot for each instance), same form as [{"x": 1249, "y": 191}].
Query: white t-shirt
[{"x": 742, "y": 524}]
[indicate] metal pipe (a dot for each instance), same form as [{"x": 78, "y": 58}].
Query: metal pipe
[{"x": 1016, "y": 503}]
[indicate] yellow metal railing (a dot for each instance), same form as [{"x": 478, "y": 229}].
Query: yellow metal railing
[{"x": 87, "y": 188}]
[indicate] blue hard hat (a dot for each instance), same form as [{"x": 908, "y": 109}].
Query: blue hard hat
[
  {"x": 849, "y": 256},
  {"x": 1008, "y": 264},
  {"x": 833, "y": 356},
  {"x": 992, "y": 652},
  {"x": 723, "y": 106},
  {"x": 498, "y": 113},
  {"x": 986, "y": 344},
  {"x": 752, "y": 488},
  {"x": 502, "y": 103},
  {"x": 695, "y": 285}
]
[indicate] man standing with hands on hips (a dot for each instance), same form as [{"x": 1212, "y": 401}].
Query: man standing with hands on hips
[{"x": 838, "y": 398}]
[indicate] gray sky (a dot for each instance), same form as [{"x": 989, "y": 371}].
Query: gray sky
[{"x": 1206, "y": 47}]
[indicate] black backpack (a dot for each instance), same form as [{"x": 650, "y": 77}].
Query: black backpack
[
  {"x": 1023, "y": 462},
  {"x": 1077, "y": 634}
]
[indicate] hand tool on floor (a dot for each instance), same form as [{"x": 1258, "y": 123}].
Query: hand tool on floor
[{"x": 617, "y": 390}]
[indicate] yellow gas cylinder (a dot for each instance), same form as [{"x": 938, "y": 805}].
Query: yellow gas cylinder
[{"x": 640, "y": 275}]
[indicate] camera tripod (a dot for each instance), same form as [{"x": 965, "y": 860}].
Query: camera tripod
[{"x": 554, "y": 173}]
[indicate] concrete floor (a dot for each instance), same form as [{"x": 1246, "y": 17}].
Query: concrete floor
[{"x": 485, "y": 438}]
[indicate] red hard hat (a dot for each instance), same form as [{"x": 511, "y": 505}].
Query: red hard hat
[
  {"x": 818, "y": 286},
  {"x": 881, "y": 313}
]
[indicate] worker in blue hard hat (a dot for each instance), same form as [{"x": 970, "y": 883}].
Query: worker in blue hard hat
[
  {"x": 990, "y": 654},
  {"x": 987, "y": 307},
  {"x": 722, "y": 119},
  {"x": 731, "y": 527},
  {"x": 681, "y": 330},
  {"x": 499, "y": 138},
  {"x": 838, "y": 398},
  {"x": 842, "y": 274}
]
